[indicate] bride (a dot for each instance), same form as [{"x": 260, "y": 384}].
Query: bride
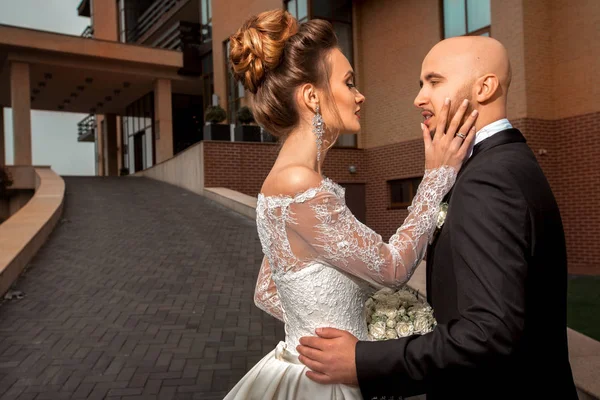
[{"x": 320, "y": 262}]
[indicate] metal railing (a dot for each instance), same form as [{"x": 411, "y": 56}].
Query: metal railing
[
  {"x": 88, "y": 32},
  {"x": 151, "y": 16},
  {"x": 179, "y": 34},
  {"x": 87, "y": 125}
]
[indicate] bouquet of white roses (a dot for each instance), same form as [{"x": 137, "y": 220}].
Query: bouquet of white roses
[{"x": 393, "y": 314}]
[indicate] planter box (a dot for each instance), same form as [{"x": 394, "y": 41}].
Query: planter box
[
  {"x": 268, "y": 138},
  {"x": 217, "y": 132},
  {"x": 247, "y": 133}
]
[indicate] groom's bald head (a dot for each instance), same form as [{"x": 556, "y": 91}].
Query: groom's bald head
[{"x": 473, "y": 67}]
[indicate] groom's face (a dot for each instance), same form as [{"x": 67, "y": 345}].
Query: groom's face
[{"x": 443, "y": 76}]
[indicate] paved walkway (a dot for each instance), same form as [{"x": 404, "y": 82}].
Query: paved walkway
[{"x": 144, "y": 291}]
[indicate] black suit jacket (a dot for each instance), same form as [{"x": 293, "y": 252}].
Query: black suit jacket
[{"x": 497, "y": 280}]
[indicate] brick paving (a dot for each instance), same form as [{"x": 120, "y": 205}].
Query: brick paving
[{"x": 143, "y": 291}]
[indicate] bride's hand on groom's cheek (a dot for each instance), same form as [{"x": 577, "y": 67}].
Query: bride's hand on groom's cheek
[
  {"x": 329, "y": 356},
  {"x": 452, "y": 142}
]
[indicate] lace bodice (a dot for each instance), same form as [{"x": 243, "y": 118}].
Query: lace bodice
[{"x": 321, "y": 263}]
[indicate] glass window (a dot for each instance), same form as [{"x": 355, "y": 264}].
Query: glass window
[
  {"x": 136, "y": 116},
  {"x": 207, "y": 64},
  {"x": 344, "y": 33},
  {"x": 333, "y": 10},
  {"x": 402, "y": 191},
  {"x": 206, "y": 14},
  {"x": 342, "y": 10},
  {"x": 130, "y": 130},
  {"x": 235, "y": 90},
  {"x": 467, "y": 17},
  {"x": 338, "y": 12},
  {"x": 346, "y": 140},
  {"x": 298, "y": 9},
  {"x": 292, "y": 7},
  {"x": 148, "y": 107},
  {"x": 454, "y": 18},
  {"x": 479, "y": 14},
  {"x": 302, "y": 10},
  {"x": 322, "y": 9}
]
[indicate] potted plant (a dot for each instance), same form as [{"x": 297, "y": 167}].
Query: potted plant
[
  {"x": 214, "y": 130},
  {"x": 267, "y": 137},
  {"x": 246, "y": 130}
]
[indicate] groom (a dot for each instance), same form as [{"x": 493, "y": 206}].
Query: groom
[{"x": 496, "y": 271}]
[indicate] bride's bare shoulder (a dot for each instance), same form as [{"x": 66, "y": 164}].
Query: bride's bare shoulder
[{"x": 290, "y": 180}]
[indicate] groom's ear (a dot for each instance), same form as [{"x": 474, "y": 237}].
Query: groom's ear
[
  {"x": 309, "y": 96},
  {"x": 486, "y": 88}
]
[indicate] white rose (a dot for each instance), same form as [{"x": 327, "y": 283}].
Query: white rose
[
  {"x": 442, "y": 214},
  {"x": 404, "y": 329},
  {"x": 379, "y": 315},
  {"x": 422, "y": 324},
  {"x": 441, "y": 218},
  {"x": 423, "y": 312},
  {"x": 391, "y": 323},
  {"x": 402, "y": 312},
  {"x": 391, "y": 334},
  {"x": 377, "y": 330},
  {"x": 386, "y": 311},
  {"x": 391, "y": 313}
]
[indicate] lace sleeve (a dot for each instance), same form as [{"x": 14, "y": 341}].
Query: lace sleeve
[
  {"x": 266, "y": 296},
  {"x": 325, "y": 225}
]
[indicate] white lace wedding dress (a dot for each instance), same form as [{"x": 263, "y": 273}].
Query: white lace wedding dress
[{"x": 320, "y": 266}]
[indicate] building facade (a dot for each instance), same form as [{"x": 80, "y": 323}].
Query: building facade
[{"x": 151, "y": 109}]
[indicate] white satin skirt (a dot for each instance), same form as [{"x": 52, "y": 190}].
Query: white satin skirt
[{"x": 280, "y": 375}]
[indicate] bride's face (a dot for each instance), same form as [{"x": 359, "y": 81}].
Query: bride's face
[{"x": 348, "y": 99}]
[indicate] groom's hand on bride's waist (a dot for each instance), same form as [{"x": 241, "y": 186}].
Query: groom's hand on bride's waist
[{"x": 329, "y": 356}]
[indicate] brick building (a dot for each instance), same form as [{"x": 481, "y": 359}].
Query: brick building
[{"x": 554, "y": 47}]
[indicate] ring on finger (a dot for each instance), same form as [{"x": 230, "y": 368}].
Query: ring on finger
[{"x": 461, "y": 135}]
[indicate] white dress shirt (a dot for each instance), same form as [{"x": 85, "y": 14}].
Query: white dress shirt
[{"x": 490, "y": 130}]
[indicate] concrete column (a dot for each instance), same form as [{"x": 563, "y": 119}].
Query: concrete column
[
  {"x": 112, "y": 168},
  {"x": 21, "y": 108},
  {"x": 104, "y": 19},
  {"x": 2, "y": 142},
  {"x": 163, "y": 120}
]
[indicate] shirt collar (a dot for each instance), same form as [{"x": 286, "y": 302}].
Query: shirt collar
[{"x": 490, "y": 130}]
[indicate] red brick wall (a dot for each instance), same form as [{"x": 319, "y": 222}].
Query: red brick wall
[
  {"x": 243, "y": 166},
  {"x": 572, "y": 165}
]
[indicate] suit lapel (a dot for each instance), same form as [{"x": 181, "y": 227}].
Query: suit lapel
[{"x": 503, "y": 137}]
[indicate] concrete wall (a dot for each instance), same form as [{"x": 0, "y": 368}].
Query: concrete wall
[{"x": 186, "y": 170}]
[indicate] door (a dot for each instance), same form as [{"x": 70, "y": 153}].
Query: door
[
  {"x": 138, "y": 151},
  {"x": 356, "y": 200}
]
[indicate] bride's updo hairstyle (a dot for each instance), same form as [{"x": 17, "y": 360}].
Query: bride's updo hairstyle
[{"x": 272, "y": 55}]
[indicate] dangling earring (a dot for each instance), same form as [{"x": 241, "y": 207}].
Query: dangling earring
[{"x": 318, "y": 130}]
